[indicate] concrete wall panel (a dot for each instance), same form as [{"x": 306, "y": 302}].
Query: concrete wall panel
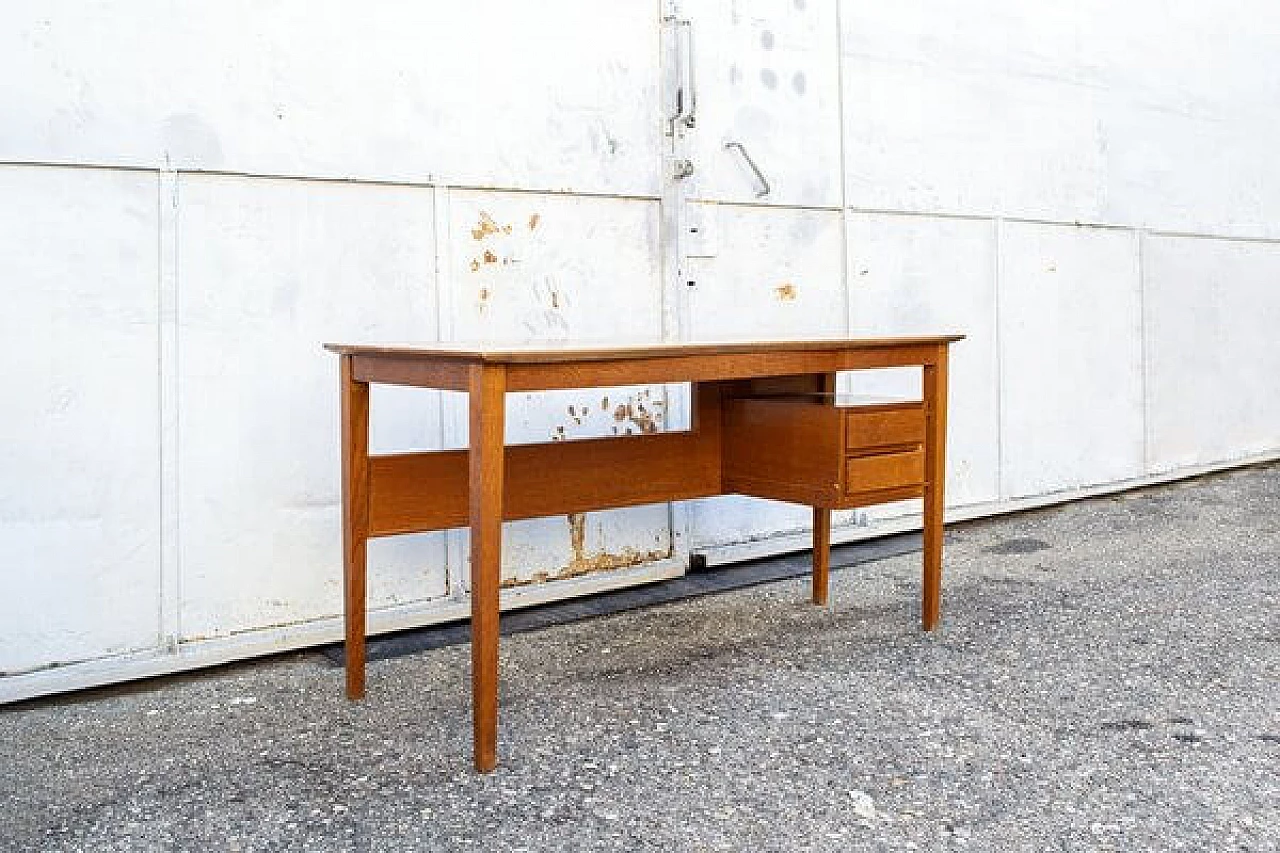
[
  {"x": 269, "y": 270},
  {"x": 1212, "y": 312},
  {"x": 1149, "y": 113},
  {"x": 79, "y": 468},
  {"x": 919, "y": 275},
  {"x": 535, "y": 267},
  {"x": 511, "y": 95},
  {"x": 767, "y": 76},
  {"x": 773, "y": 273},
  {"x": 1070, "y": 358}
]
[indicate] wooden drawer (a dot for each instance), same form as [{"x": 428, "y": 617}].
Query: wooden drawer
[
  {"x": 879, "y": 471},
  {"x": 867, "y": 428}
]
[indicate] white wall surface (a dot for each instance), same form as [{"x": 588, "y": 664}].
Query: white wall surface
[
  {"x": 1213, "y": 349},
  {"x": 79, "y": 461},
  {"x": 194, "y": 197},
  {"x": 1071, "y": 358}
]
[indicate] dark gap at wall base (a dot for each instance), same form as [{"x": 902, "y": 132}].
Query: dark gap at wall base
[{"x": 706, "y": 582}]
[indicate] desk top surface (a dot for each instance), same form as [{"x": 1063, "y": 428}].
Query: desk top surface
[{"x": 571, "y": 351}]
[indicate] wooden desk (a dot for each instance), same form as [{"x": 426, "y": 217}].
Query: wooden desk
[{"x": 765, "y": 423}]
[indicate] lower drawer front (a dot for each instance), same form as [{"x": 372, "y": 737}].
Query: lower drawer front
[{"x": 883, "y": 471}]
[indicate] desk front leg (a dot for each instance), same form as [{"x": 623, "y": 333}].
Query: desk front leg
[
  {"x": 354, "y": 397},
  {"x": 487, "y": 387},
  {"x": 935, "y": 448}
]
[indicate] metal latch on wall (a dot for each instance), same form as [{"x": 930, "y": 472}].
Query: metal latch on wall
[{"x": 686, "y": 89}]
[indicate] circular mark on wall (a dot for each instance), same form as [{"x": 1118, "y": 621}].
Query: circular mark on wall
[
  {"x": 766, "y": 40},
  {"x": 798, "y": 82},
  {"x": 769, "y": 79}
]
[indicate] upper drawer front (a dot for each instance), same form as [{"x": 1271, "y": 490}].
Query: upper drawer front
[{"x": 883, "y": 426}]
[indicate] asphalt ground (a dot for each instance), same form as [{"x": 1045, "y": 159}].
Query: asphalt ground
[{"x": 1106, "y": 677}]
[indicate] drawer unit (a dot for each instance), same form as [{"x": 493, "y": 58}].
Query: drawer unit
[{"x": 812, "y": 448}]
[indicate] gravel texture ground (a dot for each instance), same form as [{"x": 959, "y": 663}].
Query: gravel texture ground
[{"x": 1105, "y": 678}]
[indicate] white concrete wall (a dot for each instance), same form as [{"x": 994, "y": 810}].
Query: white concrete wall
[{"x": 194, "y": 197}]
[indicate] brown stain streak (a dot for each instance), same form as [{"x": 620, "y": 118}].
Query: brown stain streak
[
  {"x": 639, "y": 416},
  {"x": 786, "y": 292},
  {"x": 583, "y": 564},
  {"x": 485, "y": 227}
]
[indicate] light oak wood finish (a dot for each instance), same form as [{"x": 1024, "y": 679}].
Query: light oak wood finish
[
  {"x": 354, "y": 396},
  {"x": 877, "y": 472},
  {"x": 487, "y": 389},
  {"x": 765, "y": 422},
  {"x": 935, "y": 446},
  {"x": 821, "y": 578},
  {"x": 874, "y": 427}
]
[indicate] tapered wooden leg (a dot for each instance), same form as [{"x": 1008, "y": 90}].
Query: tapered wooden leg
[
  {"x": 935, "y": 447},
  {"x": 354, "y": 398},
  {"x": 487, "y": 386},
  {"x": 826, "y": 383},
  {"x": 821, "y": 553}
]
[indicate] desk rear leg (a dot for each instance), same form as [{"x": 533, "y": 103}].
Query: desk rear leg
[
  {"x": 821, "y": 553},
  {"x": 935, "y": 400}
]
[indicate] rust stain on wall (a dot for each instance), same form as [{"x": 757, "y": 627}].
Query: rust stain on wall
[
  {"x": 490, "y": 257},
  {"x": 584, "y": 564},
  {"x": 786, "y": 292},
  {"x": 534, "y": 219},
  {"x": 486, "y": 226},
  {"x": 646, "y": 418}
]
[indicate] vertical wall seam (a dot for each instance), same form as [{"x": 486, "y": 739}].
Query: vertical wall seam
[
  {"x": 170, "y": 593},
  {"x": 997, "y": 242},
  {"x": 675, "y": 309},
  {"x": 1143, "y": 383},
  {"x": 844, "y": 171},
  {"x": 446, "y": 330}
]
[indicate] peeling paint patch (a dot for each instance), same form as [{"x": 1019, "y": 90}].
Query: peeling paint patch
[
  {"x": 786, "y": 292},
  {"x": 647, "y": 419},
  {"x": 583, "y": 563},
  {"x": 578, "y": 535},
  {"x": 486, "y": 226}
]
